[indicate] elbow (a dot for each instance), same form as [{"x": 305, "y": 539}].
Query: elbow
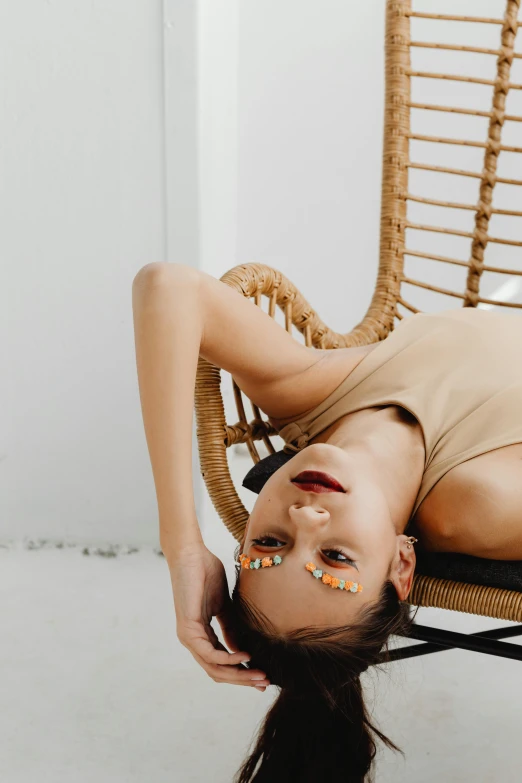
[{"x": 159, "y": 274}]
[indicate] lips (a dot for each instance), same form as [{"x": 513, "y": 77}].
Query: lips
[{"x": 317, "y": 481}]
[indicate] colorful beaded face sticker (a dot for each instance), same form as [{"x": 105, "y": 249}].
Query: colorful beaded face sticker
[
  {"x": 333, "y": 581},
  {"x": 327, "y": 579},
  {"x": 265, "y": 562}
]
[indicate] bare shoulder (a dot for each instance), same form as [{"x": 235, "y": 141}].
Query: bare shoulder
[{"x": 476, "y": 508}]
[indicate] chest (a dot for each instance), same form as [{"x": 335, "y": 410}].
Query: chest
[{"x": 476, "y": 508}]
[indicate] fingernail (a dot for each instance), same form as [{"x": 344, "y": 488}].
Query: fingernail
[
  {"x": 258, "y": 677},
  {"x": 261, "y": 688},
  {"x": 244, "y": 660}
]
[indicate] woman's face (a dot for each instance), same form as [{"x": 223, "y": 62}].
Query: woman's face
[{"x": 303, "y": 526}]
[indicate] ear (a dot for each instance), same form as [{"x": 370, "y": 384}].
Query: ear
[{"x": 403, "y": 568}]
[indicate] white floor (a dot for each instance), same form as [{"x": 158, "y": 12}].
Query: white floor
[{"x": 95, "y": 686}]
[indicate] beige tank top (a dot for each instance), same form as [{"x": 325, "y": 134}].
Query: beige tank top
[{"x": 459, "y": 372}]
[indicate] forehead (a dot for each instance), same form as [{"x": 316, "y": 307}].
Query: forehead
[{"x": 292, "y": 600}]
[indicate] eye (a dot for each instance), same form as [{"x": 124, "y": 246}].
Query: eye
[
  {"x": 262, "y": 541},
  {"x": 345, "y": 560},
  {"x": 271, "y": 542}
]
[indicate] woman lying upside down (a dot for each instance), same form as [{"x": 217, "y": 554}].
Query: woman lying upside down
[{"x": 415, "y": 438}]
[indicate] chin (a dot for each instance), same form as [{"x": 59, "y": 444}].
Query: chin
[
  {"x": 322, "y": 448},
  {"x": 320, "y": 455}
]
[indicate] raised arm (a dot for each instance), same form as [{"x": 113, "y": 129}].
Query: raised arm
[
  {"x": 168, "y": 328},
  {"x": 180, "y": 313}
]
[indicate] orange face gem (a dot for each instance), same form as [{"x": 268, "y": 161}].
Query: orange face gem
[
  {"x": 347, "y": 585},
  {"x": 326, "y": 579},
  {"x": 310, "y": 567},
  {"x": 266, "y": 562},
  {"x": 245, "y": 563},
  {"x": 359, "y": 588},
  {"x": 334, "y": 582}
]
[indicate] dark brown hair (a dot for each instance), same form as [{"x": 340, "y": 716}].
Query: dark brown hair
[{"x": 318, "y": 728}]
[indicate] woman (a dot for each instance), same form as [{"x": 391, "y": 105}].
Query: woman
[{"x": 416, "y": 437}]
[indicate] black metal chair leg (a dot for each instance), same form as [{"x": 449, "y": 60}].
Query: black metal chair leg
[{"x": 437, "y": 641}]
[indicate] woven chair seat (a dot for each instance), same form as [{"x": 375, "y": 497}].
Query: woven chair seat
[{"x": 505, "y": 574}]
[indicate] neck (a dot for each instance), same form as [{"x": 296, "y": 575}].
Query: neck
[{"x": 388, "y": 443}]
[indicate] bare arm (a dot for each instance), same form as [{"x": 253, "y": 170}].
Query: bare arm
[
  {"x": 168, "y": 325},
  {"x": 168, "y": 328},
  {"x": 179, "y": 314}
]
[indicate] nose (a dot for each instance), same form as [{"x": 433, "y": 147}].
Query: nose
[{"x": 307, "y": 516}]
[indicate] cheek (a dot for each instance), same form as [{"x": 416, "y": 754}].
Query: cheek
[
  {"x": 254, "y": 527},
  {"x": 369, "y": 506},
  {"x": 246, "y": 534},
  {"x": 373, "y": 528},
  {"x": 261, "y": 516}
]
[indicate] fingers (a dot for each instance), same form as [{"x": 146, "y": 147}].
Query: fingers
[
  {"x": 218, "y": 646},
  {"x": 221, "y": 665},
  {"x": 234, "y": 675},
  {"x": 225, "y": 621},
  {"x": 221, "y": 657},
  {"x": 212, "y": 635}
]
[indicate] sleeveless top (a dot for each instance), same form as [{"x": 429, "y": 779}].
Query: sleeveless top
[{"x": 458, "y": 372}]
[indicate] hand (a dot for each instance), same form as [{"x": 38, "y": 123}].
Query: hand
[{"x": 200, "y": 590}]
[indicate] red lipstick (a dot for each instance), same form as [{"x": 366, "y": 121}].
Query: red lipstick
[{"x": 317, "y": 481}]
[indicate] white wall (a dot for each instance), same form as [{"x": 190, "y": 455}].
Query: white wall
[
  {"x": 281, "y": 144},
  {"x": 214, "y": 133},
  {"x": 309, "y": 184},
  {"x": 83, "y": 208}
]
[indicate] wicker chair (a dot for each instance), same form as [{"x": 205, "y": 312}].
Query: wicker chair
[{"x": 445, "y": 581}]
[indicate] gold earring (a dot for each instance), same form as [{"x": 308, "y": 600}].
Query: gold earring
[{"x": 411, "y": 540}]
